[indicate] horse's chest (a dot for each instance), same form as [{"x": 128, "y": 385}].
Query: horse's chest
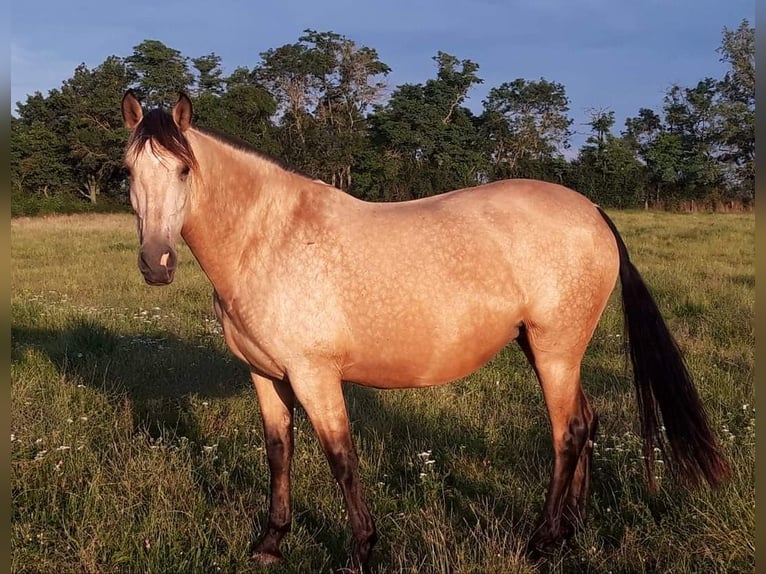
[{"x": 245, "y": 345}]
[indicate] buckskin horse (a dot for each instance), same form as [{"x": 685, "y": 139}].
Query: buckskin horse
[{"x": 314, "y": 288}]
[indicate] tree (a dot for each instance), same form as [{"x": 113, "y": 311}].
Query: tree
[
  {"x": 96, "y": 136},
  {"x": 606, "y": 169},
  {"x": 643, "y": 129},
  {"x": 703, "y": 145},
  {"x": 691, "y": 115},
  {"x": 290, "y": 73},
  {"x": 526, "y": 126},
  {"x": 244, "y": 109},
  {"x": 661, "y": 152},
  {"x": 427, "y": 141},
  {"x": 318, "y": 104},
  {"x": 738, "y": 50},
  {"x": 664, "y": 160},
  {"x": 161, "y": 72},
  {"x": 737, "y": 109},
  {"x": 681, "y": 148},
  {"x": 209, "y": 72},
  {"x": 349, "y": 80},
  {"x": 324, "y": 84},
  {"x": 38, "y": 159}
]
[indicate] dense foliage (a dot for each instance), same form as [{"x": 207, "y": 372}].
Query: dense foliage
[{"x": 319, "y": 106}]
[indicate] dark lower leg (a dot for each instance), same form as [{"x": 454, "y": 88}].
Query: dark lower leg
[
  {"x": 345, "y": 468},
  {"x": 567, "y": 452},
  {"x": 280, "y": 516},
  {"x": 553, "y": 527},
  {"x": 276, "y": 402},
  {"x": 575, "y": 510}
]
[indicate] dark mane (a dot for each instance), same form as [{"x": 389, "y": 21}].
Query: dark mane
[{"x": 158, "y": 128}]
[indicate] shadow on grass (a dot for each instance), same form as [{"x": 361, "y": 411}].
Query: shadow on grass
[{"x": 161, "y": 375}]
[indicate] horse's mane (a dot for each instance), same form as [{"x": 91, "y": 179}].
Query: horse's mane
[{"x": 158, "y": 128}]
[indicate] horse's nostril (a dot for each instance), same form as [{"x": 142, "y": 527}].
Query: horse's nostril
[
  {"x": 157, "y": 265},
  {"x": 168, "y": 260}
]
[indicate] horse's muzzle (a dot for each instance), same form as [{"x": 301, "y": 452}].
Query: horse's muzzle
[{"x": 157, "y": 264}]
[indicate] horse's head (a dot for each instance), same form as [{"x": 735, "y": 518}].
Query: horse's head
[{"x": 160, "y": 162}]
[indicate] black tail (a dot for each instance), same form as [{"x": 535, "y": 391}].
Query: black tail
[{"x": 662, "y": 380}]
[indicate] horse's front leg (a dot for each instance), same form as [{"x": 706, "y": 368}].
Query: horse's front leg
[
  {"x": 319, "y": 391},
  {"x": 276, "y": 400}
]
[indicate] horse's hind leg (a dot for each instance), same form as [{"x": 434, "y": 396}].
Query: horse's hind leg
[
  {"x": 575, "y": 509},
  {"x": 276, "y": 401},
  {"x": 573, "y": 426}
]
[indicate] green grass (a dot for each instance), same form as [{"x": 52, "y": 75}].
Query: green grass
[{"x": 137, "y": 444}]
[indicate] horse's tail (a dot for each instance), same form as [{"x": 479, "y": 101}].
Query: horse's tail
[{"x": 662, "y": 380}]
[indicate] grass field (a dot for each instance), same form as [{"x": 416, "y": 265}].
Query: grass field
[{"x": 137, "y": 446}]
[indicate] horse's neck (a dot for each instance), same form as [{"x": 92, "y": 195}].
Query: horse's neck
[{"x": 237, "y": 200}]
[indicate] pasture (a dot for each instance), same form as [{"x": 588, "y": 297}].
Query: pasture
[{"x": 137, "y": 445}]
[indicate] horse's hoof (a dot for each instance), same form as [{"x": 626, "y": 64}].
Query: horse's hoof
[
  {"x": 266, "y": 558},
  {"x": 540, "y": 547},
  {"x": 536, "y": 554},
  {"x": 543, "y": 546}
]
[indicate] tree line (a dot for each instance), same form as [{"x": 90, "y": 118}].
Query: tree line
[{"x": 321, "y": 105}]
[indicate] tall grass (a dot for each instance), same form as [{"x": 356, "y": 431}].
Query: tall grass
[{"x": 137, "y": 445}]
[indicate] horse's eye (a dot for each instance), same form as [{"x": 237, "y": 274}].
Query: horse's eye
[{"x": 184, "y": 171}]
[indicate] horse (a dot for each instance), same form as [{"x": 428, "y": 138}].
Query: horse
[{"x": 314, "y": 288}]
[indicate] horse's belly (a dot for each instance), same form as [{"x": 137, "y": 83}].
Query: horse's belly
[{"x": 420, "y": 357}]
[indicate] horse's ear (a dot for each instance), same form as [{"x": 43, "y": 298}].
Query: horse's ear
[
  {"x": 131, "y": 110},
  {"x": 182, "y": 112}
]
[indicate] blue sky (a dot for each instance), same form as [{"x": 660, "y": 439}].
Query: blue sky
[{"x": 609, "y": 54}]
